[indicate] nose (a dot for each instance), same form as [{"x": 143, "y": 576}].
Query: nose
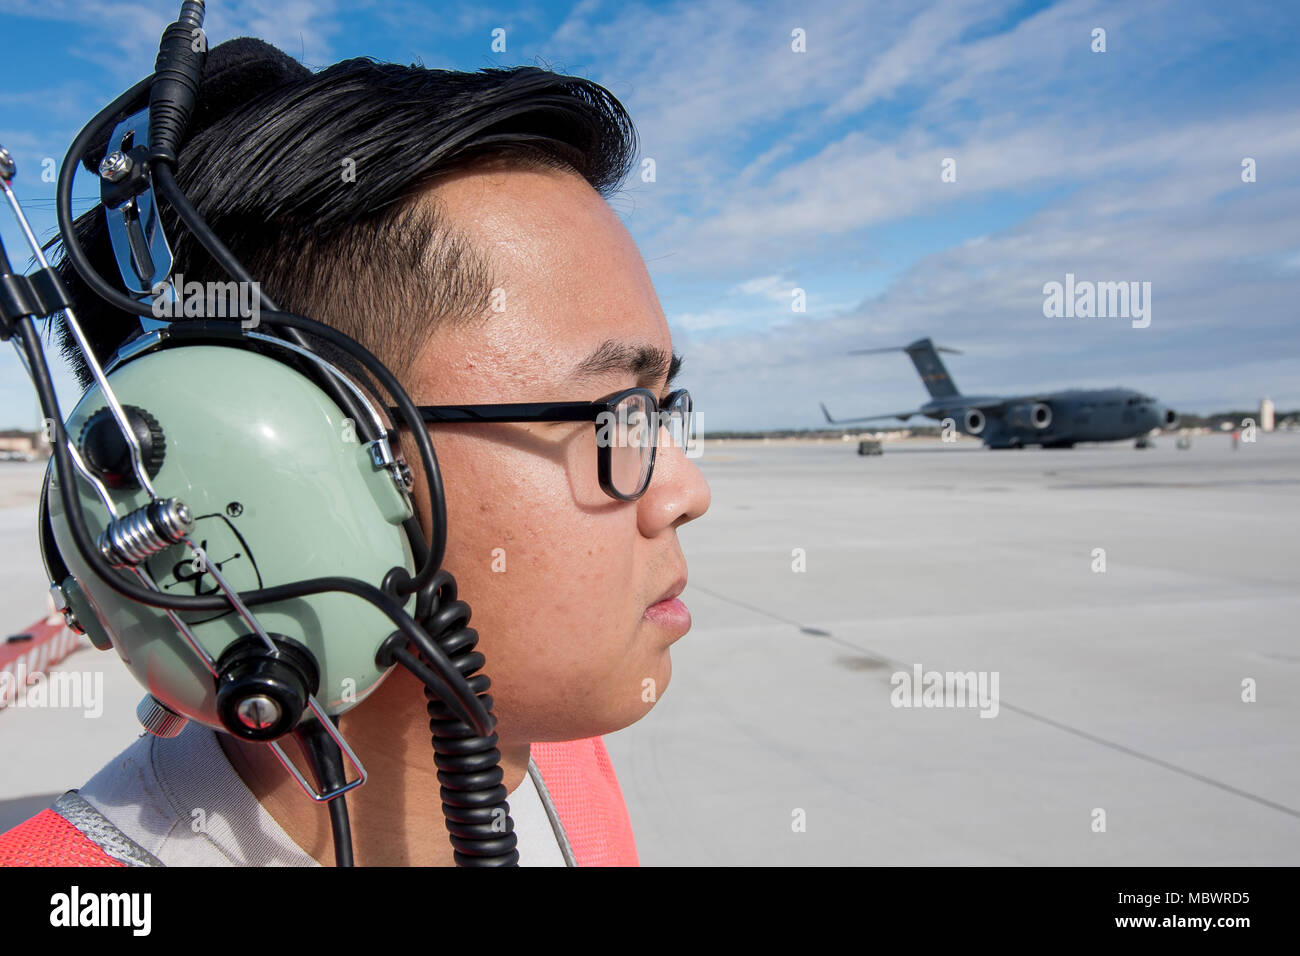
[{"x": 678, "y": 492}]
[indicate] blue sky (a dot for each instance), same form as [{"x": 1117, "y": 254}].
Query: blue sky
[{"x": 820, "y": 170}]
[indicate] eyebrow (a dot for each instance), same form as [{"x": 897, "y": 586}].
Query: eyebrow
[{"x": 646, "y": 362}]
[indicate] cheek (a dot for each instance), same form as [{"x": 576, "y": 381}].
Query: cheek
[{"x": 553, "y": 582}]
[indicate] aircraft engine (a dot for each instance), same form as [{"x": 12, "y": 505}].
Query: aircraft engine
[
  {"x": 1034, "y": 415},
  {"x": 1171, "y": 418},
  {"x": 974, "y": 421}
]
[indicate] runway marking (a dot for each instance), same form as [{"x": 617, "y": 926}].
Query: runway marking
[{"x": 1024, "y": 712}]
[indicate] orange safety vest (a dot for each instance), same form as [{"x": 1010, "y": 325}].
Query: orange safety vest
[{"x": 578, "y": 776}]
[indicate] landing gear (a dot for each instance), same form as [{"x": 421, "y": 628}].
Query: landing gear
[{"x": 1058, "y": 444}]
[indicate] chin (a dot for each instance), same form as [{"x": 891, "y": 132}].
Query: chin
[
  {"x": 651, "y": 688},
  {"x": 631, "y": 715},
  {"x": 625, "y": 709}
]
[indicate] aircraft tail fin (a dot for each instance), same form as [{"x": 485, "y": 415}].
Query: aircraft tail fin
[{"x": 925, "y": 356}]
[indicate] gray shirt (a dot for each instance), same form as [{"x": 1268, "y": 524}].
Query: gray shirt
[{"x": 180, "y": 802}]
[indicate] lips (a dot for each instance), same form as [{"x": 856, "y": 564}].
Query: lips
[
  {"x": 674, "y": 589},
  {"x": 668, "y": 612}
]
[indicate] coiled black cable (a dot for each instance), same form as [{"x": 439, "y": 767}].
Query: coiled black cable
[{"x": 473, "y": 796}]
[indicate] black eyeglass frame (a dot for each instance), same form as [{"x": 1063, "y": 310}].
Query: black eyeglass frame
[{"x": 570, "y": 412}]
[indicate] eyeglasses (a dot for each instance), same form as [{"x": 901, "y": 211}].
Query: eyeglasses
[{"x": 627, "y": 429}]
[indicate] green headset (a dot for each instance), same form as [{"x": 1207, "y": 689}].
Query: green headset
[{"x": 220, "y": 500}]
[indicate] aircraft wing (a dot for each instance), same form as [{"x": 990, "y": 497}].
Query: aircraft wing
[
  {"x": 870, "y": 418},
  {"x": 989, "y": 405},
  {"x": 960, "y": 403}
]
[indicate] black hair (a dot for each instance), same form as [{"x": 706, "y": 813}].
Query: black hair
[{"x": 311, "y": 185}]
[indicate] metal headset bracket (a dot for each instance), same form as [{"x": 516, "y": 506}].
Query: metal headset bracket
[{"x": 140, "y": 246}]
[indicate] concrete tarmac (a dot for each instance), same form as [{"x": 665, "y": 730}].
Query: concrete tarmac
[{"x": 1140, "y": 714}]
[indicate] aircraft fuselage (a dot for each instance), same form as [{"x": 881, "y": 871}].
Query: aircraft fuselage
[{"x": 1053, "y": 419}]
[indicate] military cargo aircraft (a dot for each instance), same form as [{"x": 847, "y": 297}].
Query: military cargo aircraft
[{"x": 1050, "y": 419}]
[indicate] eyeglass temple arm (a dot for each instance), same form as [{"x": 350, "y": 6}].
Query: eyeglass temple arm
[{"x": 527, "y": 412}]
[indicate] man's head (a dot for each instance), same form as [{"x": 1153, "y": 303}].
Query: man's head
[
  {"x": 558, "y": 573},
  {"x": 455, "y": 225}
]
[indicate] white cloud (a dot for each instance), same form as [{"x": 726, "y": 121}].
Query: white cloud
[{"x": 774, "y": 288}]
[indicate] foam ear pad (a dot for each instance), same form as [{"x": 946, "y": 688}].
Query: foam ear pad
[
  {"x": 235, "y": 73},
  {"x": 55, "y": 570}
]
